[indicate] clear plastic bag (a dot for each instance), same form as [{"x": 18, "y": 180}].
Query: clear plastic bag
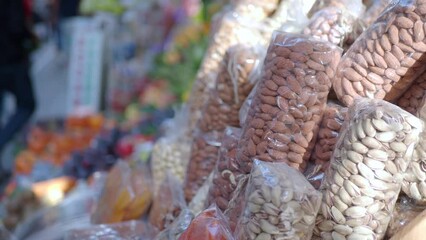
[
  {"x": 198, "y": 202},
  {"x": 414, "y": 230},
  {"x": 356, "y": 7},
  {"x": 331, "y": 123},
  {"x": 180, "y": 224},
  {"x": 411, "y": 100},
  {"x": 238, "y": 75},
  {"x": 289, "y": 100},
  {"x": 405, "y": 211},
  {"x": 171, "y": 152},
  {"x": 204, "y": 155},
  {"x": 385, "y": 60},
  {"x": 127, "y": 193},
  {"x": 226, "y": 174},
  {"x": 279, "y": 204},
  {"x": 211, "y": 224},
  {"x": 167, "y": 203},
  {"x": 365, "y": 175},
  {"x": 374, "y": 11}
]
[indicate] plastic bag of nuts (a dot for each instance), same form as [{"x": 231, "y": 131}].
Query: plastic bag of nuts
[
  {"x": 332, "y": 121},
  {"x": 167, "y": 203},
  {"x": 288, "y": 104},
  {"x": 232, "y": 29},
  {"x": 171, "y": 152},
  {"x": 238, "y": 75},
  {"x": 204, "y": 155},
  {"x": 198, "y": 202},
  {"x": 226, "y": 174},
  {"x": 387, "y": 57},
  {"x": 364, "y": 179},
  {"x": 178, "y": 226},
  {"x": 279, "y": 204},
  {"x": 411, "y": 100},
  {"x": 405, "y": 211},
  {"x": 332, "y": 24}
]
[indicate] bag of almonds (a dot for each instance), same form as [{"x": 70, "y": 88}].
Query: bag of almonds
[
  {"x": 289, "y": 101},
  {"x": 405, "y": 211},
  {"x": 204, "y": 155},
  {"x": 167, "y": 203},
  {"x": 232, "y": 29},
  {"x": 226, "y": 174},
  {"x": 412, "y": 99},
  {"x": 279, "y": 204},
  {"x": 211, "y": 224},
  {"x": 239, "y": 73},
  {"x": 386, "y": 59},
  {"x": 171, "y": 152},
  {"x": 332, "y": 121},
  {"x": 364, "y": 179},
  {"x": 178, "y": 226},
  {"x": 334, "y": 24}
]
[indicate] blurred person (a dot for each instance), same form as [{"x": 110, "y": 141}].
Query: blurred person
[{"x": 15, "y": 44}]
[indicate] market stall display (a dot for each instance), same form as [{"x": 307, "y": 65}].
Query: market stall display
[
  {"x": 289, "y": 101},
  {"x": 364, "y": 179}
]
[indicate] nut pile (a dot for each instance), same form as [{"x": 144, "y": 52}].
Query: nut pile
[
  {"x": 225, "y": 174},
  {"x": 288, "y": 102},
  {"x": 412, "y": 99},
  {"x": 330, "y": 24},
  {"x": 231, "y": 30},
  {"x": 235, "y": 81},
  {"x": 204, "y": 154},
  {"x": 280, "y": 204},
  {"x": 361, "y": 186},
  {"x": 387, "y": 57},
  {"x": 332, "y": 121}
]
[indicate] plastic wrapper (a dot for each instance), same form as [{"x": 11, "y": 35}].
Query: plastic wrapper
[
  {"x": 386, "y": 59},
  {"x": 374, "y": 11},
  {"x": 180, "y": 224},
  {"x": 411, "y": 100},
  {"x": 226, "y": 174},
  {"x": 171, "y": 152},
  {"x": 364, "y": 179},
  {"x": 198, "y": 202},
  {"x": 239, "y": 73},
  {"x": 167, "y": 204},
  {"x": 413, "y": 230},
  {"x": 405, "y": 211},
  {"x": 211, "y": 224},
  {"x": 136, "y": 230},
  {"x": 414, "y": 184},
  {"x": 356, "y": 7},
  {"x": 314, "y": 174},
  {"x": 204, "y": 155},
  {"x": 127, "y": 193},
  {"x": 280, "y": 204},
  {"x": 331, "y": 123},
  {"x": 235, "y": 207},
  {"x": 289, "y": 101},
  {"x": 231, "y": 30}
]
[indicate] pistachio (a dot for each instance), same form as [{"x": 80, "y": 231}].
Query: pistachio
[
  {"x": 268, "y": 227},
  {"x": 355, "y": 212},
  {"x": 337, "y": 215}
]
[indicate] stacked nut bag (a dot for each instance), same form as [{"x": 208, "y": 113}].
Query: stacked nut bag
[{"x": 368, "y": 140}]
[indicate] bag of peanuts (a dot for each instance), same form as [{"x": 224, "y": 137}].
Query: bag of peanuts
[
  {"x": 364, "y": 179},
  {"x": 239, "y": 73},
  {"x": 167, "y": 203},
  {"x": 226, "y": 174},
  {"x": 334, "y": 23},
  {"x": 178, "y": 226},
  {"x": 171, "y": 152},
  {"x": 411, "y": 100},
  {"x": 405, "y": 211},
  {"x": 279, "y": 204},
  {"x": 289, "y": 101},
  {"x": 204, "y": 155},
  {"x": 332, "y": 121},
  {"x": 208, "y": 225},
  {"x": 386, "y": 59}
]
